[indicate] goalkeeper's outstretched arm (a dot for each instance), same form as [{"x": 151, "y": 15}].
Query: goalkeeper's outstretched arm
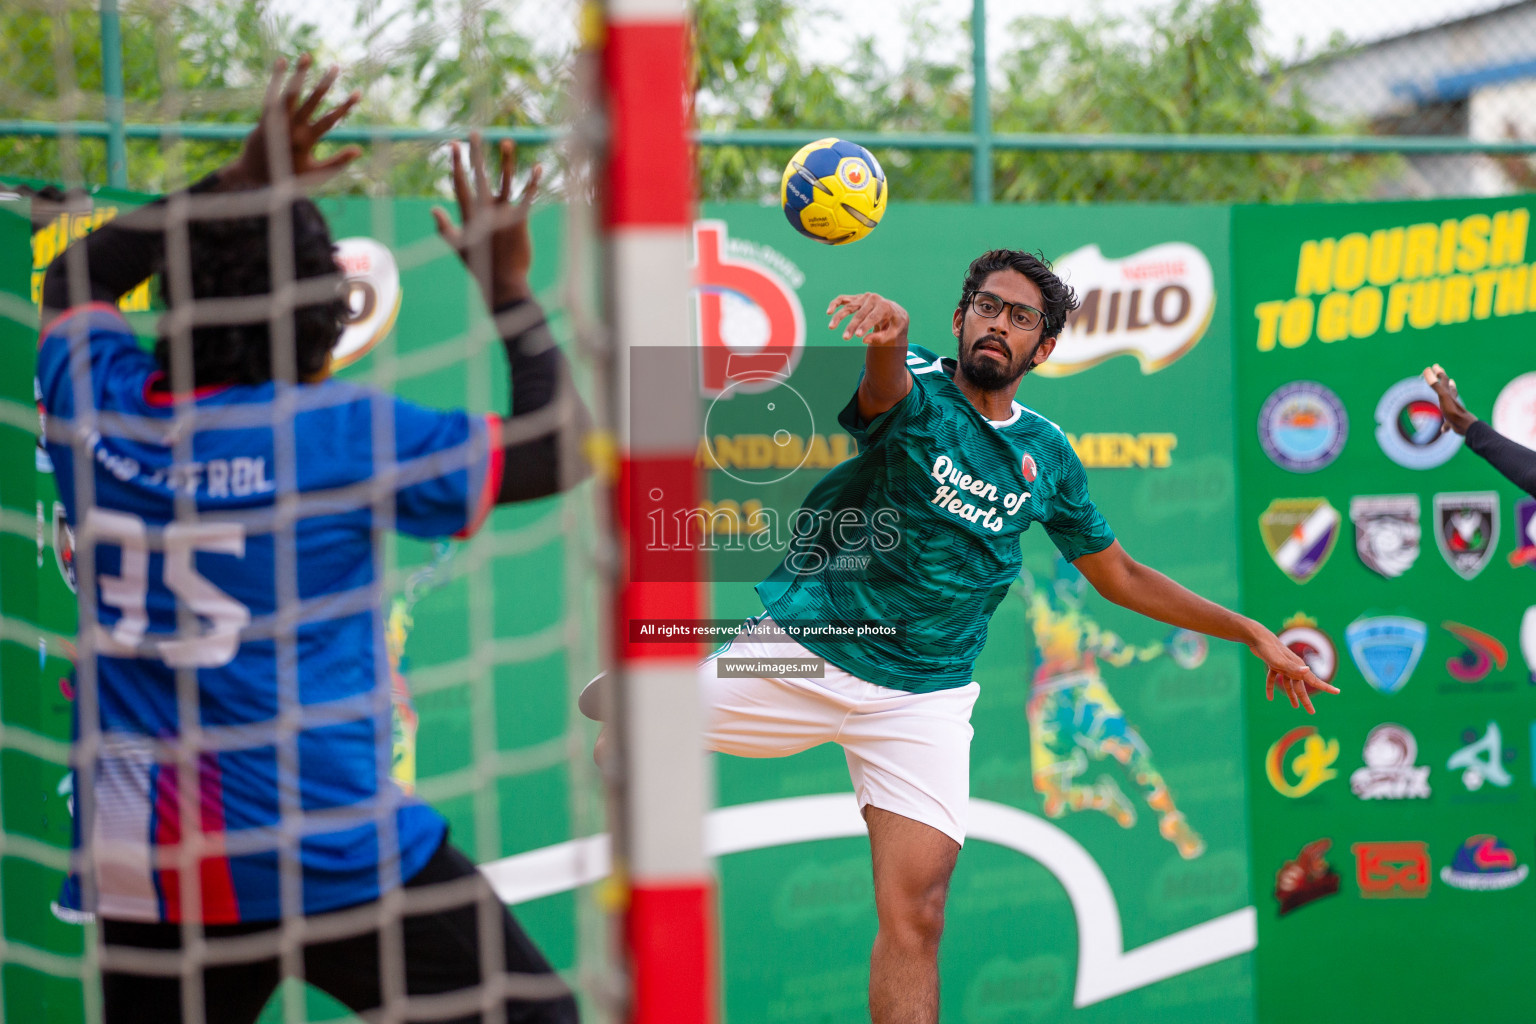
[{"x": 542, "y": 445}]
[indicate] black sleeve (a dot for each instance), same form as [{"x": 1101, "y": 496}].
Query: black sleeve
[
  {"x": 1515, "y": 461},
  {"x": 114, "y": 258},
  {"x": 544, "y": 400}
]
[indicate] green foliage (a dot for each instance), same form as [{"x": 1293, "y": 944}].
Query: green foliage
[
  {"x": 197, "y": 62},
  {"x": 751, "y": 73},
  {"x": 463, "y": 64},
  {"x": 209, "y": 61},
  {"x": 1193, "y": 66}
]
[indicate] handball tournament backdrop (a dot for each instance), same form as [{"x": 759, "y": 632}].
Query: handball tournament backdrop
[{"x": 1233, "y": 384}]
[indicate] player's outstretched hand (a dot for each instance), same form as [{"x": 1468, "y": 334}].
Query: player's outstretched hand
[
  {"x": 291, "y": 125},
  {"x": 493, "y": 241},
  {"x": 1288, "y": 671},
  {"x": 1456, "y": 416},
  {"x": 874, "y": 319}
]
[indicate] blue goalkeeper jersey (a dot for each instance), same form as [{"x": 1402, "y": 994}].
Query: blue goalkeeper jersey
[
  {"x": 920, "y": 531},
  {"x": 237, "y": 549}
]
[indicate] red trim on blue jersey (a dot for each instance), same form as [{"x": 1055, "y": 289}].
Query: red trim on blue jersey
[
  {"x": 164, "y": 399},
  {"x": 495, "y": 466},
  {"x": 87, "y": 307},
  {"x": 217, "y": 884}
]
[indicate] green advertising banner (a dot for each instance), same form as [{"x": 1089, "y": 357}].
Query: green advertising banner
[
  {"x": 1107, "y": 860},
  {"x": 1107, "y": 867},
  {"x": 1391, "y": 834}
]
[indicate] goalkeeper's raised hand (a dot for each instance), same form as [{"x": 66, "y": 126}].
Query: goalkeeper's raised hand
[
  {"x": 492, "y": 237},
  {"x": 283, "y": 142}
]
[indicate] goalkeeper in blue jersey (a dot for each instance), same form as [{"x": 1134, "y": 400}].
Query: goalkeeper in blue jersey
[
  {"x": 229, "y": 498},
  {"x": 950, "y": 472}
]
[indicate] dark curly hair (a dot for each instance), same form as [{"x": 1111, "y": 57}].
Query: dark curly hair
[
  {"x": 230, "y": 259},
  {"x": 1059, "y": 299}
]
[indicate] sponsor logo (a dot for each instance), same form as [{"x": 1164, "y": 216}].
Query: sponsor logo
[
  {"x": 1187, "y": 648},
  {"x": 1307, "y": 878},
  {"x": 1483, "y": 759},
  {"x": 1528, "y": 641},
  {"x": 823, "y": 894},
  {"x": 1386, "y": 649},
  {"x": 1037, "y": 988},
  {"x": 1389, "y": 772},
  {"x": 1392, "y": 870},
  {"x": 853, "y": 172},
  {"x": 1182, "y": 888},
  {"x": 64, "y": 548},
  {"x": 1030, "y": 470},
  {"x": 1300, "y": 634},
  {"x": 1525, "y": 534},
  {"x": 1467, "y": 530},
  {"x": 1154, "y": 305},
  {"x": 1303, "y": 426},
  {"x": 1299, "y": 534},
  {"x": 751, "y": 326},
  {"x": 1386, "y": 532},
  {"x": 370, "y": 290},
  {"x": 1310, "y": 767},
  {"x": 1514, "y": 411},
  {"x": 1408, "y": 425},
  {"x": 1482, "y": 864},
  {"x": 1482, "y": 654}
]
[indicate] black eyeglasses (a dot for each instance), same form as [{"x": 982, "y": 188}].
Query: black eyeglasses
[{"x": 1025, "y": 318}]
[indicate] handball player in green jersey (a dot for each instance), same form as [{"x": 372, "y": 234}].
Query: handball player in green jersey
[{"x": 920, "y": 531}]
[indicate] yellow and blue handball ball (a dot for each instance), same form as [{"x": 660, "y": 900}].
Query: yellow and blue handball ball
[{"x": 833, "y": 191}]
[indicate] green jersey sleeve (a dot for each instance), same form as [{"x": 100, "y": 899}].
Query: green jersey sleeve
[
  {"x": 1075, "y": 524},
  {"x": 914, "y": 406}
]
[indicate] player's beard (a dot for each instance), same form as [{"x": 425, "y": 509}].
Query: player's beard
[{"x": 991, "y": 374}]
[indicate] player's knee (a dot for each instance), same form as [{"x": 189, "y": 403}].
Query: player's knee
[
  {"x": 925, "y": 925},
  {"x": 916, "y": 917}
]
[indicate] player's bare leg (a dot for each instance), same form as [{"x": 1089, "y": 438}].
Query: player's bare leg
[{"x": 913, "y": 863}]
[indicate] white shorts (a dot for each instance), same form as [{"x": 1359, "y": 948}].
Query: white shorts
[{"x": 908, "y": 753}]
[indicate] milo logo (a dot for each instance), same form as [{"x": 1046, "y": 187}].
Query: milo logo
[
  {"x": 1154, "y": 305},
  {"x": 1006, "y": 991}
]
